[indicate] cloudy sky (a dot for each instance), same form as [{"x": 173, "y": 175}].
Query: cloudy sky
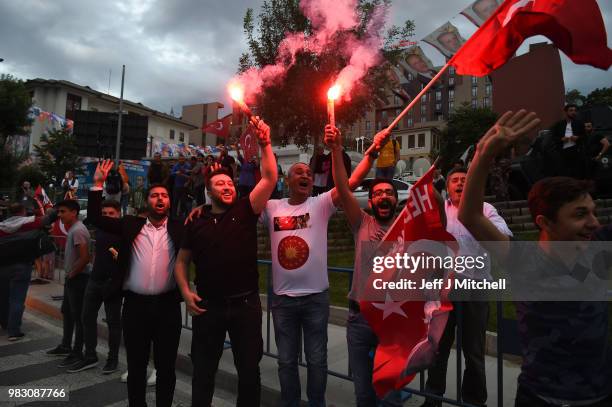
[{"x": 179, "y": 52}]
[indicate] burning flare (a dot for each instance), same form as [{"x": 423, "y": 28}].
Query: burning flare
[
  {"x": 334, "y": 92},
  {"x": 236, "y": 92}
]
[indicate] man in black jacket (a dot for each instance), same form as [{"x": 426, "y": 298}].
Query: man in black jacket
[
  {"x": 568, "y": 135},
  {"x": 151, "y": 310}
]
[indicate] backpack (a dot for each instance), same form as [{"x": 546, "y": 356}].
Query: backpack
[{"x": 114, "y": 183}]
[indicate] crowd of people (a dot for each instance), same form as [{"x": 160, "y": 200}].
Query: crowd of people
[{"x": 141, "y": 273}]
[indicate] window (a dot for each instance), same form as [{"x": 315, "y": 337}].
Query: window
[
  {"x": 73, "y": 103},
  {"x": 488, "y": 88},
  {"x": 451, "y": 81},
  {"x": 424, "y": 98},
  {"x": 421, "y": 142},
  {"x": 422, "y": 86},
  {"x": 423, "y": 109},
  {"x": 383, "y": 114},
  {"x": 451, "y": 94},
  {"x": 451, "y": 105},
  {"x": 474, "y": 81},
  {"x": 423, "y": 119},
  {"x": 399, "y": 141},
  {"x": 411, "y": 141},
  {"x": 396, "y": 100},
  {"x": 181, "y": 136},
  {"x": 438, "y": 106},
  {"x": 171, "y": 134},
  {"x": 474, "y": 103},
  {"x": 474, "y": 92},
  {"x": 438, "y": 94},
  {"x": 440, "y": 117},
  {"x": 368, "y": 125},
  {"x": 409, "y": 122},
  {"x": 410, "y": 77},
  {"x": 451, "y": 70},
  {"x": 486, "y": 102},
  {"x": 378, "y": 126}
]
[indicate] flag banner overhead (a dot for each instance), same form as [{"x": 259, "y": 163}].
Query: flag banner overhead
[
  {"x": 408, "y": 331},
  {"x": 562, "y": 21},
  {"x": 219, "y": 127},
  {"x": 479, "y": 11},
  {"x": 446, "y": 39},
  {"x": 416, "y": 62}
]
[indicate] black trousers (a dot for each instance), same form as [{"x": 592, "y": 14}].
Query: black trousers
[
  {"x": 151, "y": 319},
  {"x": 72, "y": 310},
  {"x": 241, "y": 318},
  {"x": 94, "y": 297},
  {"x": 525, "y": 398},
  {"x": 474, "y": 317}
]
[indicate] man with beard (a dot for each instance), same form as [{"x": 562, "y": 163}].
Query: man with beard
[
  {"x": 569, "y": 137},
  {"x": 298, "y": 235},
  {"x": 158, "y": 171},
  {"x": 151, "y": 309},
  {"x": 366, "y": 229},
  {"x": 474, "y": 313},
  {"x": 223, "y": 245}
]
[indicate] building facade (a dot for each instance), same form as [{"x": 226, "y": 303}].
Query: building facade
[{"x": 199, "y": 115}]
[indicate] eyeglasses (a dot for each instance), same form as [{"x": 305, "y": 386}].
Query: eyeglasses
[{"x": 381, "y": 192}]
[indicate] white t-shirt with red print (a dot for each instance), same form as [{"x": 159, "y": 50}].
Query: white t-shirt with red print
[{"x": 298, "y": 236}]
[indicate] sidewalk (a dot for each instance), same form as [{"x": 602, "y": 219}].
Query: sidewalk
[{"x": 339, "y": 391}]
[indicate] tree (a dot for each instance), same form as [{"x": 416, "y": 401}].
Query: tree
[
  {"x": 15, "y": 103},
  {"x": 57, "y": 154},
  {"x": 574, "y": 97},
  {"x": 465, "y": 127},
  {"x": 295, "y": 108},
  {"x": 601, "y": 96}
]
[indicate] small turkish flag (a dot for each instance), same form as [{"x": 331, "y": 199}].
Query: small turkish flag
[
  {"x": 408, "y": 331},
  {"x": 575, "y": 27},
  {"x": 219, "y": 127},
  {"x": 248, "y": 142}
]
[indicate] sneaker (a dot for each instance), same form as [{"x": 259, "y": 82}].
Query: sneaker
[
  {"x": 152, "y": 379},
  {"x": 124, "y": 377},
  {"x": 83, "y": 364},
  {"x": 60, "y": 350},
  {"x": 18, "y": 337},
  {"x": 70, "y": 360},
  {"x": 110, "y": 367}
]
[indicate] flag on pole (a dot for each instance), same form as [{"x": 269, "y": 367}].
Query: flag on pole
[
  {"x": 248, "y": 143},
  {"x": 408, "y": 331},
  {"x": 219, "y": 127},
  {"x": 575, "y": 27}
]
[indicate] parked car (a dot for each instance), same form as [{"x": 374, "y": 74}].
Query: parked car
[{"x": 361, "y": 192}]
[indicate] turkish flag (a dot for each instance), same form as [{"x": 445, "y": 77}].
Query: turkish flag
[
  {"x": 219, "y": 127},
  {"x": 575, "y": 27},
  {"x": 408, "y": 331},
  {"x": 248, "y": 142}
]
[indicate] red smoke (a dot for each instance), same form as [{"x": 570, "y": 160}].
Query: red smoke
[{"x": 327, "y": 18}]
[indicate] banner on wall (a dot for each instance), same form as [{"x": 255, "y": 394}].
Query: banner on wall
[{"x": 133, "y": 168}]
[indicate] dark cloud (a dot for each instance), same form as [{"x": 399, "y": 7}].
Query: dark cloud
[{"x": 177, "y": 52}]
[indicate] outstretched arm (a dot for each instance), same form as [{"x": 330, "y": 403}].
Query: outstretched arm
[
  {"x": 262, "y": 191},
  {"x": 364, "y": 165},
  {"x": 508, "y": 129},
  {"x": 333, "y": 140},
  {"x": 94, "y": 202}
]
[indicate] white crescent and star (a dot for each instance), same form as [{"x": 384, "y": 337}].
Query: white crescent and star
[
  {"x": 390, "y": 307},
  {"x": 515, "y": 8}
]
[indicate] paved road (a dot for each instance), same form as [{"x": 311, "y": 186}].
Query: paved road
[{"x": 24, "y": 363}]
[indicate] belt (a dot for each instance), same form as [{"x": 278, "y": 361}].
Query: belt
[
  {"x": 168, "y": 295},
  {"x": 231, "y": 299}
]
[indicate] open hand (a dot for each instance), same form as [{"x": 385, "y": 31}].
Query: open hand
[
  {"x": 508, "y": 130},
  {"x": 102, "y": 170},
  {"x": 191, "y": 300},
  {"x": 380, "y": 139},
  {"x": 194, "y": 214}
]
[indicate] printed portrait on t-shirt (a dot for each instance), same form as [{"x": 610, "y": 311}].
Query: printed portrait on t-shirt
[{"x": 291, "y": 222}]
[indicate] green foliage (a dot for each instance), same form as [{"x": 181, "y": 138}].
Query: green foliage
[
  {"x": 295, "y": 108},
  {"x": 574, "y": 97},
  {"x": 465, "y": 127},
  {"x": 57, "y": 153},
  {"x": 599, "y": 96},
  {"x": 31, "y": 173}
]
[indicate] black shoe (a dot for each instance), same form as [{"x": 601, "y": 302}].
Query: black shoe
[
  {"x": 110, "y": 367},
  {"x": 18, "y": 337},
  {"x": 83, "y": 364},
  {"x": 60, "y": 350},
  {"x": 70, "y": 360},
  {"x": 432, "y": 403}
]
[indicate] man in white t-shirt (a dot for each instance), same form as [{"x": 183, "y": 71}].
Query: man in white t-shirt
[{"x": 298, "y": 235}]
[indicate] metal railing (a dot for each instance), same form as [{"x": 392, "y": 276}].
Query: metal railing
[{"x": 420, "y": 391}]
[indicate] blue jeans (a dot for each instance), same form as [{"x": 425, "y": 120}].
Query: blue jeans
[
  {"x": 362, "y": 343},
  {"x": 291, "y": 316},
  {"x": 18, "y": 276}
]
